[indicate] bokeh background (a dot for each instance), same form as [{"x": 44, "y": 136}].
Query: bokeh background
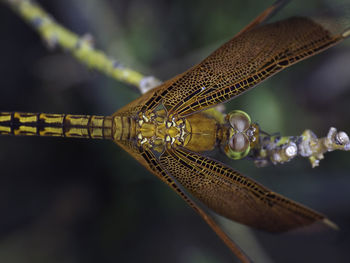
[{"x": 66, "y": 200}]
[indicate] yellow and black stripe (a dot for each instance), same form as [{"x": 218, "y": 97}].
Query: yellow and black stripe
[{"x": 57, "y": 125}]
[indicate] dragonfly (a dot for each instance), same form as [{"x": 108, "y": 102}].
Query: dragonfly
[{"x": 171, "y": 128}]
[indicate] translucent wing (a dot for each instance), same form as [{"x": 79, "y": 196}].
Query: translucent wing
[
  {"x": 224, "y": 190},
  {"x": 148, "y": 160},
  {"x": 243, "y": 62},
  {"x": 235, "y": 196},
  {"x": 137, "y": 105},
  {"x": 152, "y": 98}
]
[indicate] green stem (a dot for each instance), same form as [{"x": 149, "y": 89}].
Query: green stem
[{"x": 80, "y": 47}]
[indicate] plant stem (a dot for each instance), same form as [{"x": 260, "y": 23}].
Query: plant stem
[{"x": 80, "y": 47}]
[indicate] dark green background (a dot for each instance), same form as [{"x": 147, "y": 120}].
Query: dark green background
[{"x": 66, "y": 200}]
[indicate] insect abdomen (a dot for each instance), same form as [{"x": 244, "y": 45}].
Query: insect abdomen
[
  {"x": 124, "y": 128},
  {"x": 57, "y": 125}
]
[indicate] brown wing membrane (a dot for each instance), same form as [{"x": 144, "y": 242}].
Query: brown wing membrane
[
  {"x": 137, "y": 105},
  {"x": 235, "y": 196},
  {"x": 149, "y": 161},
  {"x": 265, "y": 15},
  {"x": 243, "y": 62},
  {"x": 150, "y": 97}
]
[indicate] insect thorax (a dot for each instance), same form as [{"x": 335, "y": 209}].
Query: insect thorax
[
  {"x": 156, "y": 130},
  {"x": 151, "y": 130}
]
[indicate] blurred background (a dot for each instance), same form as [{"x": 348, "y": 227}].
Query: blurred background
[{"x": 73, "y": 200}]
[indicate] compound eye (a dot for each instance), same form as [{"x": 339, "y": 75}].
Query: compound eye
[
  {"x": 239, "y": 121},
  {"x": 239, "y": 143}
]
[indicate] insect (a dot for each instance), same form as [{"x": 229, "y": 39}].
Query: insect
[{"x": 168, "y": 130}]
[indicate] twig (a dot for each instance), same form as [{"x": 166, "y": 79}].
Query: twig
[
  {"x": 80, "y": 47},
  {"x": 277, "y": 149}
]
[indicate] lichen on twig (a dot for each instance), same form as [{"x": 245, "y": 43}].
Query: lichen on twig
[{"x": 81, "y": 48}]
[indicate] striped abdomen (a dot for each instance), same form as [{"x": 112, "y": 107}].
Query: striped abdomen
[
  {"x": 61, "y": 125},
  {"x": 124, "y": 128}
]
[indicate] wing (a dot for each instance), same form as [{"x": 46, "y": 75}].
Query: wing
[
  {"x": 235, "y": 196},
  {"x": 150, "y": 98},
  {"x": 137, "y": 105},
  {"x": 224, "y": 190},
  {"x": 149, "y": 161},
  {"x": 243, "y": 62},
  {"x": 264, "y": 16}
]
